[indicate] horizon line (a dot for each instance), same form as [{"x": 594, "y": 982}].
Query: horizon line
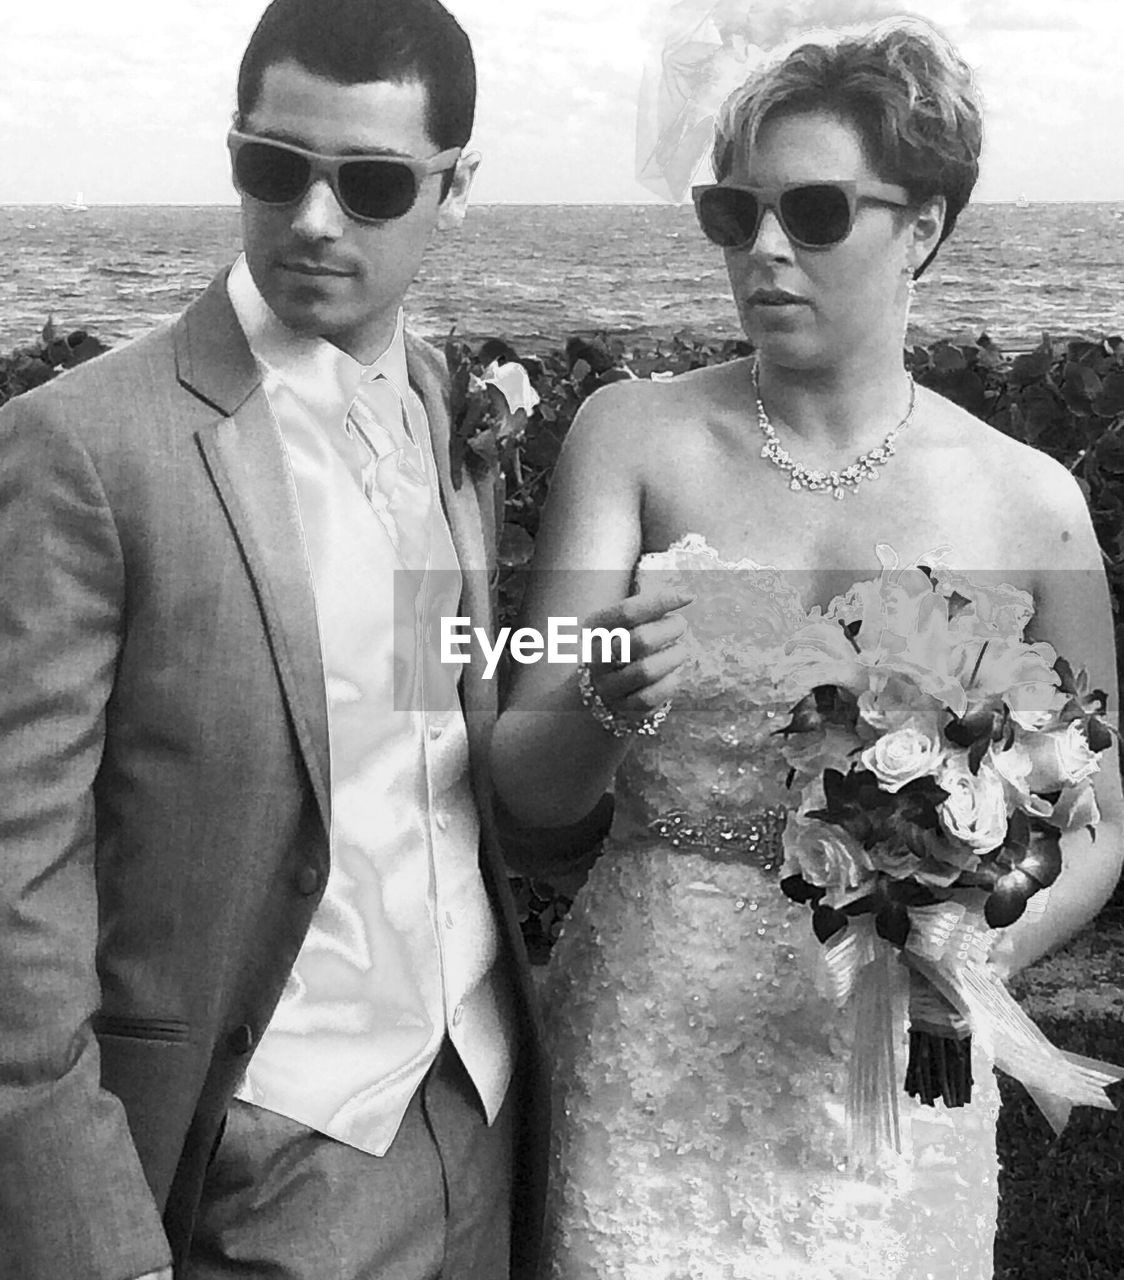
[{"x": 477, "y": 204}]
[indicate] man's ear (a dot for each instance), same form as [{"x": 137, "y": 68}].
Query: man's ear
[
  {"x": 454, "y": 206},
  {"x": 928, "y": 223}
]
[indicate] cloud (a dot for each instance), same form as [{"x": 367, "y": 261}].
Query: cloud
[{"x": 1026, "y": 15}]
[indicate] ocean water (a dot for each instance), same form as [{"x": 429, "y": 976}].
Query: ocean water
[{"x": 537, "y": 273}]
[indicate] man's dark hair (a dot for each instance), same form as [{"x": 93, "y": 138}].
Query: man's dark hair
[{"x": 365, "y": 41}]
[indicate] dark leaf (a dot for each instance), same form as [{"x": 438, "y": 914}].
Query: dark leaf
[
  {"x": 492, "y": 349},
  {"x": 827, "y": 922},
  {"x": 1018, "y": 833},
  {"x": 799, "y": 890},
  {"x": 861, "y": 906},
  {"x": 456, "y": 458},
  {"x": 1042, "y": 862},
  {"x": 892, "y": 923},
  {"x": 83, "y": 347},
  {"x": 947, "y": 358},
  {"x": 977, "y": 726},
  {"x": 1099, "y": 733},
  {"x": 976, "y": 753},
  {"x": 1081, "y": 383},
  {"x": 922, "y": 792},
  {"x": 485, "y": 445},
  {"x": 1110, "y": 453},
  {"x": 1008, "y": 899},
  {"x": 516, "y": 545},
  {"x": 1066, "y": 676},
  {"x": 1031, "y": 367},
  {"x": 1110, "y": 401},
  {"x": 591, "y": 352},
  {"x": 984, "y": 877}
]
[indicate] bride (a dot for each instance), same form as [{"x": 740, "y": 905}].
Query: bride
[{"x": 699, "y": 1127}]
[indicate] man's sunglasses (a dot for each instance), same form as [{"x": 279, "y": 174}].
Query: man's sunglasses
[
  {"x": 369, "y": 188},
  {"x": 814, "y": 215}
]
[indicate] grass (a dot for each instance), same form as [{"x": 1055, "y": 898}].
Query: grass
[{"x": 1061, "y": 1209}]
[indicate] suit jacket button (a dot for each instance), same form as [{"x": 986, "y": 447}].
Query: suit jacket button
[
  {"x": 241, "y": 1039},
  {"x": 307, "y": 881}
]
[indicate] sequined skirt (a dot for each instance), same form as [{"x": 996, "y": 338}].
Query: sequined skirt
[{"x": 699, "y": 1126}]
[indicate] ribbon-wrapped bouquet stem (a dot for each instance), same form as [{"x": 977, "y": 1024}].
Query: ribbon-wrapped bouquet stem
[{"x": 938, "y": 758}]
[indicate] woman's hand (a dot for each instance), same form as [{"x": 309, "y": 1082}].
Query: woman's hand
[{"x": 657, "y": 650}]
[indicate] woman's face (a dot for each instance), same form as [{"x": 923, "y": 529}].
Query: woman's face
[{"x": 851, "y": 297}]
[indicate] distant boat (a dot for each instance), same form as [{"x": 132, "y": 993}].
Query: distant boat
[
  {"x": 1022, "y": 203},
  {"x": 79, "y": 205}
]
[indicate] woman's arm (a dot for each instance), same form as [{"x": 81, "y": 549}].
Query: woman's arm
[
  {"x": 551, "y": 760},
  {"x": 1074, "y": 614}
]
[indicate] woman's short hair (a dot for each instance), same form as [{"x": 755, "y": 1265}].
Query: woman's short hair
[
  {"x": 365, "y": 41},
  {"x": 901, "y": 84}
]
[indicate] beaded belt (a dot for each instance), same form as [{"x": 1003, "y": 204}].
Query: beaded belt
[{"x": 753, "y": 838}]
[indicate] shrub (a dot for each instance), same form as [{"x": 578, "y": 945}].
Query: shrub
[{"x": 38, "y": 362}]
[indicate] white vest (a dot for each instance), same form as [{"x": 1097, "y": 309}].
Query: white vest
[{"x": 403, "y": 947}]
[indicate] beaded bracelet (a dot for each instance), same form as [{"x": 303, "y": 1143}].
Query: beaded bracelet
[{"x": 619, "y": 726}]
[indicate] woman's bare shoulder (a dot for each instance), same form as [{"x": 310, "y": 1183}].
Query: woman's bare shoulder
[
  {"x": 1038, "y": 494},
  {"x": 629, "y": 417}
]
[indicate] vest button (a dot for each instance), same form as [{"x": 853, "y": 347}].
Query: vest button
[
  {"x": 307, "y": 881},
  {"x": 241, "y": 1039}
]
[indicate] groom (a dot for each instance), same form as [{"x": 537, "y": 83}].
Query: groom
[{"x": 263, "y": 1009}]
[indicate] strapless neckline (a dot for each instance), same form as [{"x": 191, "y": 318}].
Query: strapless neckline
[{"x": 697, "y": 543}]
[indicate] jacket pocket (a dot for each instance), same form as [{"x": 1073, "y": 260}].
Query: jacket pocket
[{"x": 162, "y": 1029}]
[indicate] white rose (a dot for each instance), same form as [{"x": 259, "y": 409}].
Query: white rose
[
  {"x": 827, "y": 856},
  {"x": 1059, "y": 758},
  {"x": 976, "y": 809},
  {"x": 904, "y": 754}
]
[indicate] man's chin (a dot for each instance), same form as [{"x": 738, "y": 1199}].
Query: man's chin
[{"x": 309, "y": 316}]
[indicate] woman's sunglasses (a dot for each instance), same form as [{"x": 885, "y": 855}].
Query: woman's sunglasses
[
  {"x": 814, "y": 215},
  {"x": 369, "y": 188}
]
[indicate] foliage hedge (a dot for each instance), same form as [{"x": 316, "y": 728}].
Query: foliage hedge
[{"x": 1059, "y": 1207}]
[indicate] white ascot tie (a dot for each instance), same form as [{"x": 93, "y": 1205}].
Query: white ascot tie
[{"x": 391, "y": 468}]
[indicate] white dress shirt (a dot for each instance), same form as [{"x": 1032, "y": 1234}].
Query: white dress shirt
[{"x": 403, "y": 948}]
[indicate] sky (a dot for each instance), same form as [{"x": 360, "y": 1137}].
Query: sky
[{"x": 128, "y": 101}]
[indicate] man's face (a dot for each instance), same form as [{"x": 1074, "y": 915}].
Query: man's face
[{"x": 322, "y": 272}]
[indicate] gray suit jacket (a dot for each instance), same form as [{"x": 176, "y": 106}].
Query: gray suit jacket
[{"x": 164, "y": 792}]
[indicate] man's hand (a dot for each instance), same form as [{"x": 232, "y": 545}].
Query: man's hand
[{"x": 164, "y": 1274}]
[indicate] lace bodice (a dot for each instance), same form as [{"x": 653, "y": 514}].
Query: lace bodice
[
  {"x": 717, "y": 752},
  {"x": 699, "y": 1124}
]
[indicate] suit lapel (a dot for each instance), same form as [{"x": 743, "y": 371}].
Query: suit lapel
[
  {"x": 469, "y": 511},
  {"x": 246, "y": 460}
]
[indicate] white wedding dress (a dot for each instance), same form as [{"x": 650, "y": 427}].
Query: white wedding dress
[{"x": 699, "y": 1129}]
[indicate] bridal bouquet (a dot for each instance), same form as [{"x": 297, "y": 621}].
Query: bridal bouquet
[{"x": 938, "y": 758}]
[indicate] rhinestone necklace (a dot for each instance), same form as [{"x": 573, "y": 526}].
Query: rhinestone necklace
[{"x": 864, "y": 467}]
